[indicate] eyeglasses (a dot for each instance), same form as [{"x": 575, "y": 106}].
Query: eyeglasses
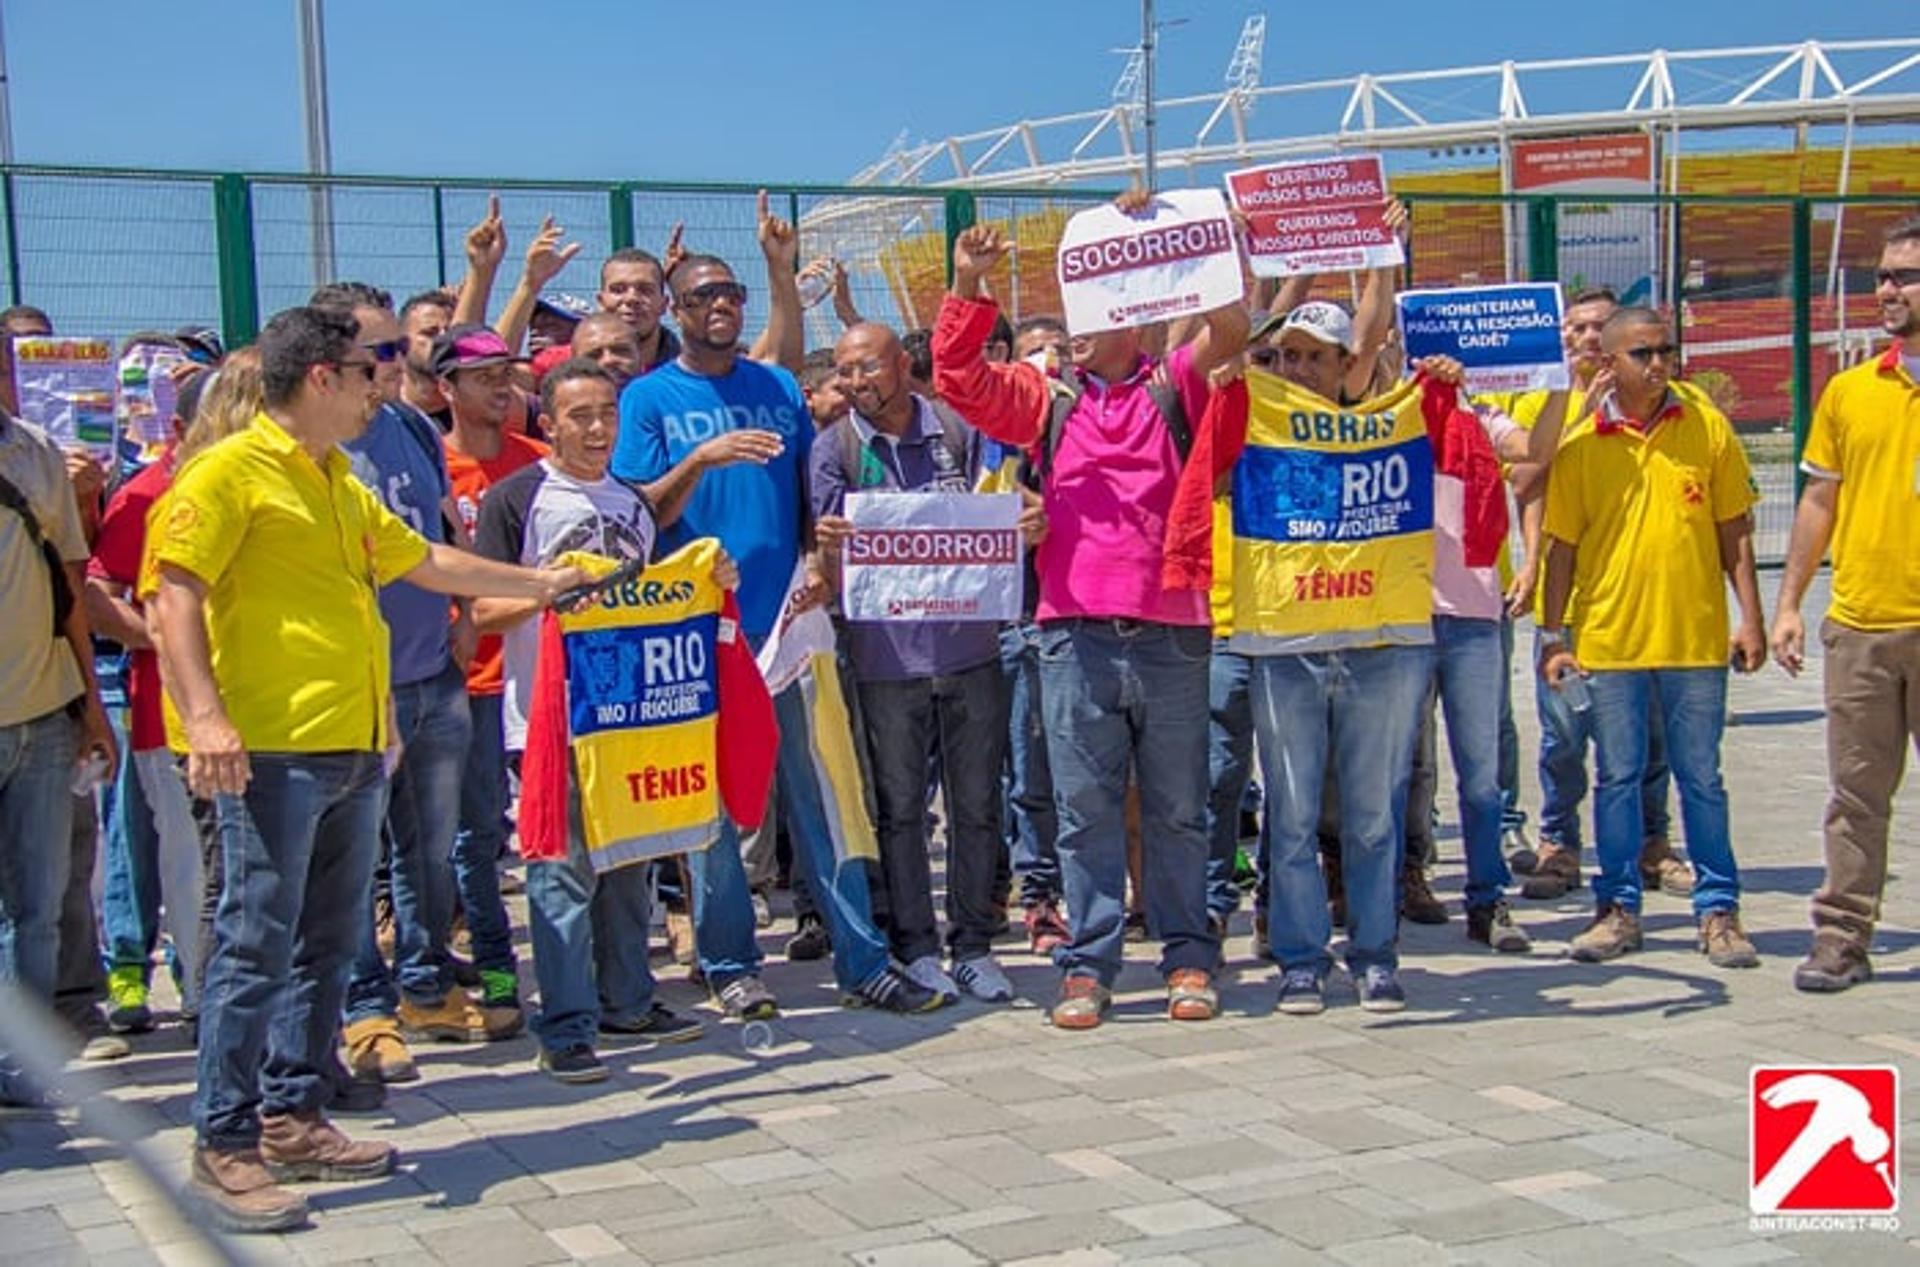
[
  {"x": 1644, "y": 356},
  {"x": 365, "y": 367},
  {"x": 860, "y": 369},
  {"x": 702, "y": 295},
  {"x": 1898, "y": 276},
  {"x": 386, "y": 351}
]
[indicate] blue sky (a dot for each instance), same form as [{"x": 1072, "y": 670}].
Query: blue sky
[{"x": 747, "y": 91}]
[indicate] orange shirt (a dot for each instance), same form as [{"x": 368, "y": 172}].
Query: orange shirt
[{"x": 471, "y": 478}]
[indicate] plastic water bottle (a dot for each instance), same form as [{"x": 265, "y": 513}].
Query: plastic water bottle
[
  {"x": 815, "y": 286},
  {"x": 1573, "y": 689}
]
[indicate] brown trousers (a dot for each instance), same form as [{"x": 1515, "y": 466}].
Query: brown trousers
[{"x": 1873, "y": 713}]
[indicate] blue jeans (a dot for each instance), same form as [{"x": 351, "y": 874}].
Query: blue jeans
[
  {"x": 1118, "y": 694},
  {"x": 423, "y": 818},
  {"x": 1036, "y": 826},
  {"x": 36, "y": 826},
  {"x": 1563, "y": 765},
  {"x": 297, "y": 851},
  {"x": 1229, "y": 771},
  {"x": 482, "y": 837},
  {"x": 130, "y": 896},
  {"x": 1511, "y": 815},
  {"x": 962, "y": 717},
  {"x": 589, "y": 936},
  {"x": 1363, "y": 707},
  {"x": 1690, "y": 707},
  {"x": 1466, "y": 667}
]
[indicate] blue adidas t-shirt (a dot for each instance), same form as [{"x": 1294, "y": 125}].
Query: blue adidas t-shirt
[
  {"x": 400, "y": 458},
  {"x": 756, "y": 511}
]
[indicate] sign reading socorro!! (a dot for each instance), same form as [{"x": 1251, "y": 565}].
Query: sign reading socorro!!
[
  {"x": 933, "y": 556},
  {"x": 642, "y": 703},
  {"x": 1174, "y": 259},
  {"x": 1508, "y": 337},
  {"x": 1332, "y": 522}
]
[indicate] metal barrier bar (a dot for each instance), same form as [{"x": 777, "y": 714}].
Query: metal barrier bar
[
  {"x": 239, "y": 282},
  {"x": 1802, "y": 332},
  {"x": 13, "y": 239}
]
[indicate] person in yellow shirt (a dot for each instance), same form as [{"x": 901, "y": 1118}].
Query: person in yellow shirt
[
  {"x": 264, "y": 612},
  {"x": 1647, "y": 506},
  {"x": 1863, "y": 498}
]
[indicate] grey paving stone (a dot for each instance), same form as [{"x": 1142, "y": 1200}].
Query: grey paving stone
[
  {"x": 1219, "y": 1156},
  {"x": 885, "y": 1202},
  {"x": 1316, "y": 1221},
  {"x": 1029, "y": 1237},
  {"x": 1485, "y": 1222}
]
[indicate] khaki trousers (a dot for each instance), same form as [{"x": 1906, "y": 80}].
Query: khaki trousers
[{"x": 1873, "y": 713}]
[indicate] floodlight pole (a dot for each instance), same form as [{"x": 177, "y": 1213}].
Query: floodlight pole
[
  {"x": 313, "y": 91},
  {"x": 6, "y": 105},
  {"x": 1146, "y": 81}
]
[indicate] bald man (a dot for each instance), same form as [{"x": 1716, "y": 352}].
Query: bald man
[{"x": 924, "y": 686}]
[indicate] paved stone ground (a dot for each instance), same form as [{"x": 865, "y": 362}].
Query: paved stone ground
[{"x": 1529, "y": 1111}]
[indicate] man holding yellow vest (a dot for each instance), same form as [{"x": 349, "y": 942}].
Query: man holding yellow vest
[
  {"x": 1647, "y": 506},
  {"x": 1862, "y": 497}
]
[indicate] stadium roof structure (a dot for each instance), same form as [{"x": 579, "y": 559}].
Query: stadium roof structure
[{"x": 1788, "y": 85}]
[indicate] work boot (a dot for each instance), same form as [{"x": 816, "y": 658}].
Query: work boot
[
  {"x": 1723, "y": 942},
  {"x": 1556, "y": 873},
  {"x": 1662, "y": 869},
  {"x": 239, "y": 1194},
  {"x": 680, "y": 936},
  {"x": 306, "y": 1148},
  {"x": 1832, "y": 966},
  {"x": 499, "y": 1003},
  {"x": 376, "y": 1051},
  {"x": 454, "y": 1019},
  {"x": 1417, "y": 902},
  {"x": 1615, "y": 930}
]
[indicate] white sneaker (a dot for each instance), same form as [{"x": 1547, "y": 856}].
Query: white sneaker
[
  {"x": 927, "y": 973},
  {"x": 982, "y": 978}
]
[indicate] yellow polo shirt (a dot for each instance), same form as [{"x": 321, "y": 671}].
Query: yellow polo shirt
[
  {"x": 1526, "y": 409},
  {"x": 1641, "y": 511},
  {"x": 1866, "y": 434},
  {"x": 293, "y": 554}
]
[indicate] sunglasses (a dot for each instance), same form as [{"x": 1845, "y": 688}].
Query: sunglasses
[
  {"x": 1644, "y": 356},
  {"x": 365, "y": 367},
  {"x": 387, "y": 350},
  {"x": 1898, "y": 276},
  {"x": 702, "y": 295},
  {"x": 1265, "y": 358}
]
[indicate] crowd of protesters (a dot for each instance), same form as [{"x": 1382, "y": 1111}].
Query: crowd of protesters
[{"x": 283, "y": 666}]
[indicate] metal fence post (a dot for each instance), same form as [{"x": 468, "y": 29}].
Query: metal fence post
[
  {"x": 958, "y": 213},
  {"x": 1677, "y": 278},
  {"x": 1543, "y": 239},
  {"x": 233, "y": 240},
  {"x": 620, "y": 215},
  {"x": 440, "y": 236},
  {"x": 14, "y": 287},
  {"x": 1802, "y": 332}
]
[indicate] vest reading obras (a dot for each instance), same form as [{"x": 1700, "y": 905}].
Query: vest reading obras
[{"x": 1332, "y": 522}]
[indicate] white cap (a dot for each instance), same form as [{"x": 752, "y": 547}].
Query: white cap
[{"x": 1326, "y": 322}]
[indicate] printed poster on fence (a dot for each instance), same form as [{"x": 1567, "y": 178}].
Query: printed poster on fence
[
  {"x": 933, "y": 556},
  {"x": 66, "y": 387},
  {"x": 1508, "y": 337},
  {"x": 1321, "y": 215},
  {"x": 1175, "y": 259}
]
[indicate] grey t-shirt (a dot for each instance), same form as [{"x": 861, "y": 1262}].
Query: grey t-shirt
[{"x": 38, "y": 673}]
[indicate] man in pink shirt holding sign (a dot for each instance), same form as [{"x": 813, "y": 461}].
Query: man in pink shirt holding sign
[{"x": 1123, "y": 660}]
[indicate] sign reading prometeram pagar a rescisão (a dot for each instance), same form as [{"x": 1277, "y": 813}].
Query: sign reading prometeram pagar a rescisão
[{"x": 1507, "y": 337}]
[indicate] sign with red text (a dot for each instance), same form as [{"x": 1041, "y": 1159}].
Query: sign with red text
[
  {"x": 1322, "y": 215},
  {"x": 68, "y": 388},
  {"x": 933, "y": 557},
  {"x": 1177, "y": 258},
  {"x": 1601, "y": 242}
]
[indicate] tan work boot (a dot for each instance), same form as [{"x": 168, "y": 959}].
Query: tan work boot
[
  {"x": 1555, "y": 874},
  {"x": 1417, "y": 900},
  {"x": 1723, "y": 942},
  {"x": 375, "y": 1051},
  {"x": 1661, "y": 868},
  {"x": 1614, "y": 931},
  {"x": 454, "y": 1019},
  {"x": 239, "y": 1194},
  {"x": 305, "y": 1147},
  {"x": 680, "y": 936}
]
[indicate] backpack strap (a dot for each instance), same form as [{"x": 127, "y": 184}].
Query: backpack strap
[
  {"x": 1067, "y": 391},
  {"x": 955, "y": 433},
  {"x": 63, "y": 597}
]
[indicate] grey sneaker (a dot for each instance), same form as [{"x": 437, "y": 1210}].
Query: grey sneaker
[
  {"x": 983, "y": 979},
  {"x": 748, "y": 999},
  {"x": 1302, "y": 993},
  {"x": 1380, "y": 990},
  {"x": 1493, "y": 925}
]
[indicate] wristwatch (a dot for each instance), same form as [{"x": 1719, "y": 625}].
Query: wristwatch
[{"x": 1553, "y": 639}]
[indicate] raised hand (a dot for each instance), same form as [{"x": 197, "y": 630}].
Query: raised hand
[
  {"x": 976, "y": 252},
  {"x": 487, "y": 241},
  {"x": 546, "y": 257},
  {"x": 778, "y": 240},
  {"x": 675, "y": 250}
]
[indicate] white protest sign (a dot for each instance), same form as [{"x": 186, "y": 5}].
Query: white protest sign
[
  {"x": 67, "y": 388},
  {"x": 797, "y": 637},
  {"x": 1319, "y": 215},
  {"x": 933, "y": 557},
  {"x": 1174, "y": 259}
]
